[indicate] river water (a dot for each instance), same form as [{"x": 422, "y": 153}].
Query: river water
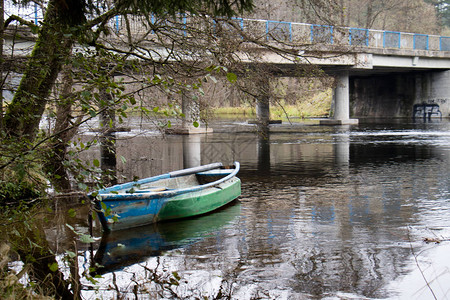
[{"x": 325, "y": 213}]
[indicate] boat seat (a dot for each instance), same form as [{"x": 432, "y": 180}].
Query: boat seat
[
  {"x": 216, "y": 172},
  {"x": 177, "y": 182},
  {"x": 148, "y": 190}
]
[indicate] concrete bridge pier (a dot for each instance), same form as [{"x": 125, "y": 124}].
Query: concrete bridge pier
[
  {"x": 191, "y": 111},
  {"x": 341, "y": 100},
  {"x": 263, "y": 110}
]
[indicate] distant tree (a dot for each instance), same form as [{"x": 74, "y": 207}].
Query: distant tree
[
  {"x": 412, "y": 16},
  {"x": 443, "y": 10},
  {"x": 398, "y": 15}
]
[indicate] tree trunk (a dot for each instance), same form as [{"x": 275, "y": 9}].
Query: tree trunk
[
  {"x": 369, "y": 16},
  {"x": 108, "y": 140},
  {"x": 63, "y": 133},
  {"x": 51, "y": 51},
  {"x": 343, "y": 12},
  {"x": 2, "y": 22}
]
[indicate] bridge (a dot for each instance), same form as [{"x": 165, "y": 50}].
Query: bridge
[
  {"x": 383, "y": 73},
  {"x": 378, "y": 73}
]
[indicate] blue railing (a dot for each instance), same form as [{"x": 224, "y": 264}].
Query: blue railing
[
  {"x": 322, "y": 34},
  {"x": 358, "y": 37},
  {"x": 444, "y": 43},
  {"x": 293, "y": 32},
  {"x": 421, "y": 41},
  {"x": 278, "y": 30},
  {"x": 240, "y": 21},
  {"x": 392, "y": 39}
]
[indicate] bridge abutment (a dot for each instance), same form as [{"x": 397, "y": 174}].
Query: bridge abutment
[
  {"x": 435, "y": 90},
  {"x": 397, "y": 95},
  {"x": 341, "y": 102}
]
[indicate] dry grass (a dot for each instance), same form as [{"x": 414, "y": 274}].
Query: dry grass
[{"x": 316, "y": 106}]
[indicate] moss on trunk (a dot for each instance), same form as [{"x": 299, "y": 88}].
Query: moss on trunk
[{"x": 52, "y": 49}]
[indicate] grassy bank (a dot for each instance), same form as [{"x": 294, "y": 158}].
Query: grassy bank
[{"x": 317, "y": 106}]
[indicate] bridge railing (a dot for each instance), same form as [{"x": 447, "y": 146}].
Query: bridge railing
[
  {"x": 362, "y": 37},
  {"x": 310, "y": 34},
  {"x": 293, "y": 32},
  {"x": 326, "y": 34}
]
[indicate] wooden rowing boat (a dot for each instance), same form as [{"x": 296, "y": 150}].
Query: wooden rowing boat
[{"x": 174, "y": 195}]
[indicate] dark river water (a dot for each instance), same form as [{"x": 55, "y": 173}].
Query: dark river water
[{"x": 325, "y": 213}]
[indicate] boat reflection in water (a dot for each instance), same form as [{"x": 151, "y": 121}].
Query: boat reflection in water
[{"x": 122, "y": 248}]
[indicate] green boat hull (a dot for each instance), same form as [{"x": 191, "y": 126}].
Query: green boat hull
[{"x": 201, "y": 202}]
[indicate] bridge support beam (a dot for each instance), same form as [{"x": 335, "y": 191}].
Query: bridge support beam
[{"x": 341, "y": 97}]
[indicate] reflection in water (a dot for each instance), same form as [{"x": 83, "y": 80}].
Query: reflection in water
[
  {"x": 263, "y": 149},
  {"x": 324, "y": 211},
  {"x": 126, "y": 247},
  {"x": 191, "y": 151},
  {"x": 342, "y": 150},
  {"x": 108, "y": 160}
]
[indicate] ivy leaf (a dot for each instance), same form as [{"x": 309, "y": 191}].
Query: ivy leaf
[
  {"x": 71, "y": 254},
  {"x": 231, "y": 77},
  {"x": 86, "y": 95},
  {"x": 176, "y": 275},
  {"x": 70, "y": 227},
  {"x": 213, "y": 79},
  {"x": 53, "y": 267},
  {"x": 72, "y": 213},
  {"x": 96, "y": 163},
  {"x": 82, "y": 186},
  {"x": 196, "y": 124},
  {"x": 115, "y": 218},
  {"x": 86, "y": 238}
]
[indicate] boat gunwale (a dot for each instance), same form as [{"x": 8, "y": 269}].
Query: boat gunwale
[{"x": 161, "y": 194}]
